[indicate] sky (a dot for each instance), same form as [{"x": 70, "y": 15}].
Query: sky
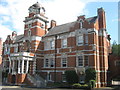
[{"x": 13, "y": 13}]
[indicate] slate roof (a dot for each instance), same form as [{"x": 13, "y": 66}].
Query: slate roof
[
  {"x": 19, "y": 38},
  {"x": 92, "y": 19},
  {"x": 66, "y": 27},
  {"x": 60, "y": 29}
]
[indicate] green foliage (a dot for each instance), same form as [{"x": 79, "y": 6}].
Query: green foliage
[
  {"x": 84, "y": 86},
  {"x": 116, "y": 49},
  {"x": 77, "y": 85},
  {"x": 71, "y": 76},
  {"x": 92, "y": 83},
  {"x": 90, "y": 75}
]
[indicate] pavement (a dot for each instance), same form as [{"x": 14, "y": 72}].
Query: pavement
[{"x": 24, "y": 88}]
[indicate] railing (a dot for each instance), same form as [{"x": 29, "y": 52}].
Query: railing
[
  {"x": 32, "y": 79},
  {"x": 40, "y": 80},
  {"x": 37, "y": 80}
]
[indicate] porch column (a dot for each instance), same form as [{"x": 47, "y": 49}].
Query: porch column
[
  {"x": 22, "y": 67},
  {"x": 10, "y": 66},
  {"x": 27, "y": 66},
  {"x": 19, "y": 66}
]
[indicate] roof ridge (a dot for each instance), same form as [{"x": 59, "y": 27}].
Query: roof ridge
[{"x": 65, "y": 23}]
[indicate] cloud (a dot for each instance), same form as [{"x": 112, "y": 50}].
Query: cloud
[
  {"x": 13, "y": 13},
  {"x": 4, "y": 32},
  {"x": 64, "y": 11}
]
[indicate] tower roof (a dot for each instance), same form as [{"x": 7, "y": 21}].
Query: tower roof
[{"x": 37, "y": 5}]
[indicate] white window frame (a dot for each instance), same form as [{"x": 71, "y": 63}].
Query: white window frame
[
  {"x": 86, "y": 60},
  {"x": 52, "y": 61},
  {"x": 52, "y": 44},
  {"x": 80, "y": 40},
  {"x": 63, "y": 61},
  {"x": 64, "y": 43},
  {"x": 46, "y": 59},
  {"x": 82, "y": 61},
  {"x": 86, "y": 39},
  {"x": 46, "y": 45},
  {"x": 63, "y": 77}
]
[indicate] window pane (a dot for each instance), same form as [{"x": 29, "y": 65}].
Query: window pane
[
  {"x": 52, "y": 44},
  {"x": 52, "y": 63},
  {"x": 63, "y": 77},
  {"x": 80, "y": 60},
  {"x": 64, "y": 62},
  {"x": 86, "y": 61},
  {"x": 64, "y": 43},
  {"x": 80, "y": 39},
  {"x": 86, "y": 39},
  {"x": 46, "y": 63}
]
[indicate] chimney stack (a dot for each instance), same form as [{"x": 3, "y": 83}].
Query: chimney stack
[
  {"x": 81, "y": 17},
  {"x": 101, "y": 18},
  {"x": 53, "y": 23}
]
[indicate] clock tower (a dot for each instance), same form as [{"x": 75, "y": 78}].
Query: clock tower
[
  {"x": 36, "y": 22},
  {"x": 35, "y": 27}
]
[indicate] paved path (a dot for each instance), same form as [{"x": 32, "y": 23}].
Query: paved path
[{"x": 22, "y": 88}]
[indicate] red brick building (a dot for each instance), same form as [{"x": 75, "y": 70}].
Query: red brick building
[
  {"x": 114, "y": 67},
  {"x": 42, "y": 53}
]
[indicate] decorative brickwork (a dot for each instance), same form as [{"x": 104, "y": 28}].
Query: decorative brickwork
[{"x": 48, "y": 53}]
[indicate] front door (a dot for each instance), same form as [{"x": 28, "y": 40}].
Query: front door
[{"x": 13, "y": 79}]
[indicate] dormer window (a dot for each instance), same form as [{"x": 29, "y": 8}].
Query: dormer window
[{"x": 81, "y": 23}]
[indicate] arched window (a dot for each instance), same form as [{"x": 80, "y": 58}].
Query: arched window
[{"x": 29, "y": 32}]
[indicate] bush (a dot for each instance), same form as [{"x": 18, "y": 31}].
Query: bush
[
  {"x": 90, "y": 74},
  {"x": 84, "y": 86},
  {"x": 71, "y": 77},
  {"x": 76, "y": 85},
  {"x": 92, "y": 83}
]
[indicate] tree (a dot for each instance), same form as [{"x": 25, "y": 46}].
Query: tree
[
  {"x": 116, "y": 49},
  {"x": 90, "y": 74},
  {"x": 71, "y": 76}
]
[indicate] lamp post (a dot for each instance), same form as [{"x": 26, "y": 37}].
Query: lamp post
[{"x": 55, "y": 58}]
